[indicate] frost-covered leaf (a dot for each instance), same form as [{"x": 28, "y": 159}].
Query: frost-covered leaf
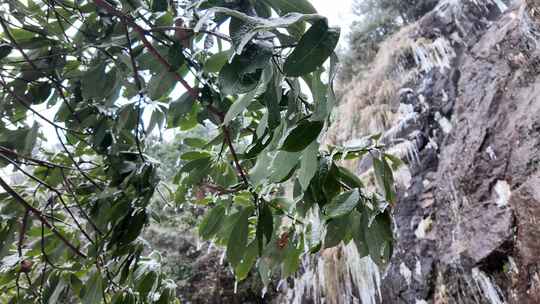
[{"x": 255, "y": 25}]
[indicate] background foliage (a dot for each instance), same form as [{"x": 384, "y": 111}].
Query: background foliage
[{"x": 375, "y": 21}]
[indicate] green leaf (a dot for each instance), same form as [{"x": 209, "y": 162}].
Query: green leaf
[
  {"x": 265, "y": 227},
  {"x": 93, "y": 291},
  {"x": 5, "y": 49},
  {"x": 160, "y": 5},
  {"x": 30, "y": 140},
  {"x": 236, "y": 246},
  {"x": 134, "y": 225},
  {"x": 161, "y": 85},
  {"x": 319, "y": 90},
  {"x": 245, "y": 100},
  {"x": 336, "y": 231},
  {"x": 372, "y": 234},
  {"x": 242, "y": 269},
  {"x": 294, "y": 250},
  {"x": 317, "y": 44},
  {"x": 195, "y": 142},
  {"x": 396, "y": 162},
  {"x": 127, "y": 117},
  {"x": 343, "y": 204},
  {"x": 244, "y": 72},
  {"x": 272, "y": 99},
  {"x": 308, "y": 165},
  {"x": 40, "y": 92},
  {"x": 384, "y": 178},
  {"x": 302, "y": 135},
  {"x": 175, "y": 55},
  {"x": 282, "y": 165},
  {"x": 215, "y": 63},
  {"x": 348, "y": 178},
  {"x": 196, "y": 164},
  {"x": 92, "y": 82},
  {"x": 359, "y": 233},
  {"x": 193, "y": 155},
  {"x": 212, "y": 222},
  {"x": 179, "y": 109}
]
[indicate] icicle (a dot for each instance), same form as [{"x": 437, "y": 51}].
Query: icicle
[
  {"x": 486, "y": 286},
  {"x": 423, "y": 227},
  {"x": 500, "y": 5},
  {"x": 436, "y": 54},
  {"x": 405, "y": 272},
  {"x": 503, "y": 191},
  {"x": 222, "y": 259},
  {"x": 491, "y": 153}
]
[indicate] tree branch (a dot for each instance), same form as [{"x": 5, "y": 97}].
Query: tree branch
[
  {"x": 103, "y": 4},
  {"x": 40, "y": 217}
]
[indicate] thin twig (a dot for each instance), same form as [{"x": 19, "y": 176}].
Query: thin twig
[
  {"x": 142, "y": 35},
  {"x": 40, "y": 217},
  {"x": 27, "y": 106},
  {"x": 173, "y": 28}
]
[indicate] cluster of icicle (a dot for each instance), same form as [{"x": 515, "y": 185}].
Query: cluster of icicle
[{"x": 336, "y": 276}]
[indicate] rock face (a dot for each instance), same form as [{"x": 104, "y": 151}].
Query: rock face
[
  {"x": 474, "y": 182},
  {"x": 200, "y": 271},
  {"x": 466, "y": 223}
]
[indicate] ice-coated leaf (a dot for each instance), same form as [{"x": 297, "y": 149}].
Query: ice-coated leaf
[
  {"x": 255, "y": 25},
  {"x": 287, "y": 6}
]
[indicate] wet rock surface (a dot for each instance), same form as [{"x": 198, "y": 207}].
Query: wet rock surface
[
  {"x": 201, "y": 273},
  {"x": 477, "y": 183}
]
